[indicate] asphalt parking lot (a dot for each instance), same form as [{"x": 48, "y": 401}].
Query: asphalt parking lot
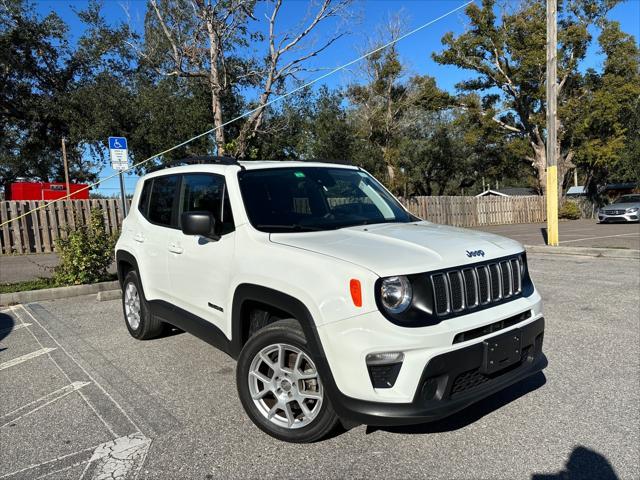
[
  {"x": 574, "y": 233},
  {"x": 80, "y": 398}
]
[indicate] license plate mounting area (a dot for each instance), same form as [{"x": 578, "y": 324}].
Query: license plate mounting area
[{"x": 501, "y": 351}]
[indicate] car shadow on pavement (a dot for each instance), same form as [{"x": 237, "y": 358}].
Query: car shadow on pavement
[
  {"x": 6, "y": 326},
  {"x": 472, "y": 413},
  {"x": 583, "y": 464}
]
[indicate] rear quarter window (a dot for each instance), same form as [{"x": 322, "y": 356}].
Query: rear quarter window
[{"x": 143, "y": 201}]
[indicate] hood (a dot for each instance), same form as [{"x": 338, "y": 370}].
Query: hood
[
  {"x": 403, "y": 248},
  {"x": 621, "y": 206}
]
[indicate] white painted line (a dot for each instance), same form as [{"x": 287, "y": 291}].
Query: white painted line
[
  {"x": 11, "y": 329},
  {"x": 24, "y": 358},
  {"x": 65, "y": 373},
  {"x": 597, "y": 238},
  {"x": 36, "y": 465},
  {"x": 46, "y": 400},
  {"x": 87, "y": 373}
]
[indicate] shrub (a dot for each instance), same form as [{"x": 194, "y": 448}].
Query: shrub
[
  {"x": 570, "y": 211},
  {"x": 86, "y": 254}
]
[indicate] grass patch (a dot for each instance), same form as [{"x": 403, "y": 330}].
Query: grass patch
[
  {"x": 37, "y": 284},
  {"x": 40, "y": 283}
]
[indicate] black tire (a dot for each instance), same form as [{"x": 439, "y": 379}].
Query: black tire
[
  {"x": 287, "y": 332},
  {"x": 149, "y": 326}
]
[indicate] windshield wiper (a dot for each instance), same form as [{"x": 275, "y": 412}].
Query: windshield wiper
[{"x": 294, "y": 227}]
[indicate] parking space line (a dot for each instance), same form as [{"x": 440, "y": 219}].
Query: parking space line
[
  {"x": 113, "y": 433},
  {"x": 24, "y": 358},
  {"x": 597, "y": 238},
  {"x": 11, "y": 329},
  {"x": 122, "y": 457},
  {"x": 137, "y": 429},
  {"x": 49, "y": 462},
  {"x": 42, "y": 402}
]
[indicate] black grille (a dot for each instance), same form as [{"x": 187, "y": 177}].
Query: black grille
[
  {"x": 441, "y": 296},
  {"x": 384, "y": 376},
  {"x": 457, "y": 291},
  {"x": 470, "y": 287},
  {"x": 483, "y": 282},
  {"x": 464, "y": 289},
  {"x": 614, "y": 212}
]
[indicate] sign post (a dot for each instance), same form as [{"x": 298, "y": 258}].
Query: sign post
[{"x": 120, "y": 161}]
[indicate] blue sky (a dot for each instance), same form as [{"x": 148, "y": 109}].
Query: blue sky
[{"x": 369, "y": 15}]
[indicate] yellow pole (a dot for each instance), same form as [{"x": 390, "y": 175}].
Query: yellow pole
[
  {"x": 552, "y": 205},
  {"x": 552, "y": 129}
]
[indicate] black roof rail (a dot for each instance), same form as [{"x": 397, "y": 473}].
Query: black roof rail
[{"x": 196, "y": 160}]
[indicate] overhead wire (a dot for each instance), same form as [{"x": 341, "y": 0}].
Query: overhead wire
[{"x": 249, "y": 112}]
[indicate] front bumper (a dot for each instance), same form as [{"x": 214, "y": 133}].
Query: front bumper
[
  {"x": 449, "y": 382},
  {"x": 622, "y": 218}
]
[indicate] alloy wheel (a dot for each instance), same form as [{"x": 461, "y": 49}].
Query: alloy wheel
[{"x": 285, "y": 386}]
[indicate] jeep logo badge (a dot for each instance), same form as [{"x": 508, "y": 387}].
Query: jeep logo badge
[{"x": 475, "y": 253}]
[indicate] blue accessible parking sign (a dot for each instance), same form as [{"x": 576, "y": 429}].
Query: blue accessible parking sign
[{"x": 119, "y": 153}]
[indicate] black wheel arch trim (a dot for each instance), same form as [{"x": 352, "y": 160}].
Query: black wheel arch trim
[{"x": 122, "y": 256}]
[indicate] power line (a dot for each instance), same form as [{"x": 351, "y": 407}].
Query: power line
[{"x": 249, "y": 112}]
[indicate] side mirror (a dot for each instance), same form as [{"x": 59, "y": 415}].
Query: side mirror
[{"x": 199, "y": 223}]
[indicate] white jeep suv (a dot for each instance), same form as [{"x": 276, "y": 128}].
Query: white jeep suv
[{"x": 337, "y": 302}]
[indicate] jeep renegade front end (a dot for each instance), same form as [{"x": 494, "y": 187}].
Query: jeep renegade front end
[{"x": 336, "y": 301}]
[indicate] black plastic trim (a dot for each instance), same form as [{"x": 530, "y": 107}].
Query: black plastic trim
[
  {"x": 122, "y": 256},
  {"x": 491, "y": 328},
  {"x": 432, "y": 400},
  {"x": 191, "y": 323}
]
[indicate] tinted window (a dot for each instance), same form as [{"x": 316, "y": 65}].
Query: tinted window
[
  {"x": 313, "y": 198},
  {"x": 163, "y": 192},
  {"x": 201, "y": 191},
  {"x": 143, "y": 201}
]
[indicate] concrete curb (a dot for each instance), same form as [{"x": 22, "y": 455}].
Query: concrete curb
[
  {"x": 109, "y": 295},
  {"x": 585, "y": 251},
  {"x": 57, "y": 293}
]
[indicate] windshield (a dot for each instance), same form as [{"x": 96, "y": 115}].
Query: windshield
[
  {"x": 316, "y": 198},
  {"x": 628, "y": 199}
]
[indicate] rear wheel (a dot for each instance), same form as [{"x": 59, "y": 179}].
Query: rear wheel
[
  {"x": 141, "y": 323},
  {"x": 280, "y": 387}
]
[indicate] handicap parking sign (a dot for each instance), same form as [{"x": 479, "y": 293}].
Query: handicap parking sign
[{"x": 119, "y": 153}]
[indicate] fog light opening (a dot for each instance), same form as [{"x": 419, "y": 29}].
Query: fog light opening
[
  {"x": 384, "y": 368},
  {"x": 385, "y": 358}
]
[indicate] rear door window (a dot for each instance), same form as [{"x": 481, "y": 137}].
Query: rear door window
[{"x": 163, "y": 196}]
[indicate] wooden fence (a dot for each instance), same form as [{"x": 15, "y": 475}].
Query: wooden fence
[
  {"x": 37, "y": 232},
  {"x": 478, "y": 211}
]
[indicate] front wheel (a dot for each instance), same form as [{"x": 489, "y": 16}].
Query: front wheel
[
  {"x": 141, "y": 323},
  {"x": 280, "y": 387}
]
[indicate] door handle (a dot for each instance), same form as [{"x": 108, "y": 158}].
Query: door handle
[
  {"x": 139, "y": 238},
  {"x": 173, "y": 248}
]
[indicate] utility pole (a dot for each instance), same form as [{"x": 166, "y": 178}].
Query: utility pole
[
  {"x": 552, "y": 107},
  {"x": 66, "y": 168}
]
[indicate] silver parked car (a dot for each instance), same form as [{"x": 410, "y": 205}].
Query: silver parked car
[{"x": 624, "y": 209}]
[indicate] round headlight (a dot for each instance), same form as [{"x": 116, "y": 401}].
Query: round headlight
[{"x": 395, "y": 294}]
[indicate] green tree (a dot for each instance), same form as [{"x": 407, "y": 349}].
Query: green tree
[
  {"x": 380, "y": 104},
  {"x": 607, "y": 113},
  {"x": 42, "y": 77},
  {"x": 508, "y": 54}
]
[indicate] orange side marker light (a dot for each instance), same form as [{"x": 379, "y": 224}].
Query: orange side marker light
[{"x": 356, "y": 292}]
